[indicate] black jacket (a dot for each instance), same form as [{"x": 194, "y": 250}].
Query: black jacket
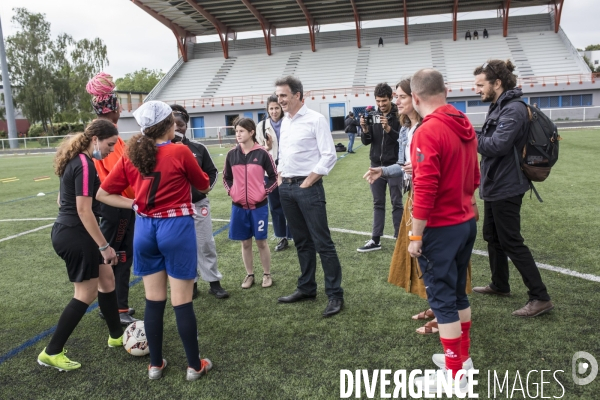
[
  {"x": 505, "y": 127},
  {"x": 351, "y": 123},
  {"x": 205, "y": 162},
  {"x": 384, "y": 146}
]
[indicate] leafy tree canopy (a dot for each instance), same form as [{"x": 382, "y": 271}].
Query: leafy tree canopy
[
  {"x": 51, "y": 74},
  {"x": 592, "y": 47},
  {"x": 143, "y": 80}
]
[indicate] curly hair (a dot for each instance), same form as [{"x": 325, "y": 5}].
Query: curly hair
[
  {"x": 141, "y": 149},
  {"x": 498, "y": 69},
  {"x": 75, "y": 144},
  {"x": 383, "y": 90},
  {"x": 293, "y": 83},
  {"x": 404, "y": 84},
  {"x": 248, "y": 124},
  {"x": 177, "y": 109}
]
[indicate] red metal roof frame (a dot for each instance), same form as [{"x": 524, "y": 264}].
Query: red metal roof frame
[
  {"x": 224, "y": 32},
  {"x": 187, "y": 18},
  {"x": 183, "y": 37},
  {"x": 267, "y": 28},
  {"x": 311, "y": 24}
]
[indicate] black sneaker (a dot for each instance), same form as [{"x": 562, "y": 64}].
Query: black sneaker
[
  {"x": 370, "y": 245},
  {"x": 126, "y": 319},
  {"x": 282, "y": 245},
  {"x": 219, "y": 292}
]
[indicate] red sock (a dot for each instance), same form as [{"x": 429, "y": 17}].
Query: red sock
[
  {"x": 465, "y": 337},
  {"x": 452, "y": 353}
]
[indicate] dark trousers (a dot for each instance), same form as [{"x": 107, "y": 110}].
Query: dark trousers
[
  {"x": 307, "y": 219},
  {"x": 444, "y": 263},
  {"x": 379, "y": 189},
  {"x": 502, "y": 232},
  {"x": 117, "y": 226},
  {"x": 280, "y": 226}
]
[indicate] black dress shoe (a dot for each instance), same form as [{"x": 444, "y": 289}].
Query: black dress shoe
[
  {"x": 282, "y": 245},
  {"x": 130, "y": 311},
  {"x": 333, "y": 307},
  {"x": 126, "y": 319},
  {"x": 296, "y": 296},
  {"x": 219, "y": 293}
]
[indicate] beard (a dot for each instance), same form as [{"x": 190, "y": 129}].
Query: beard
[{"x": 488, "y": 97}]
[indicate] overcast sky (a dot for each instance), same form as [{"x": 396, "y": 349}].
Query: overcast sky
[{"x": 135, "y": 40}]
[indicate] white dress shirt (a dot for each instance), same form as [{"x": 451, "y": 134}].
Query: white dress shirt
[{"x": 305, "y": 145}]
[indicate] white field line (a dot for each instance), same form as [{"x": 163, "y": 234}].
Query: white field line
[
  {"x": 27, "y": 219},
  {"x": 26, "y": 232},
  {"x": 560, "y": 270}
]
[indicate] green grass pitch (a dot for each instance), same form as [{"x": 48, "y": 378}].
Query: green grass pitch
[{"x": 265, "y": 350}]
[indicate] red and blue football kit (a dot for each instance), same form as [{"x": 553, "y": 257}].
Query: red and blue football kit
[{"x": 165, "y": 192}]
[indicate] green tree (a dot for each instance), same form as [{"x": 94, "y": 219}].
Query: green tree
[
  {"x": 51, "y": 75},
  {"x": 143, "y": 80},
  {"x": 592, "y": 47}
]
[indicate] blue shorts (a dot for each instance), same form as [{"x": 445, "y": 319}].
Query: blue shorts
[
  {"x": 165, "y": 244},
  {"x": 247, "y": 223}
]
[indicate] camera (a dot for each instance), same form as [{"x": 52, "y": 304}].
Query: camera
[{"x": 373, "y": 117}]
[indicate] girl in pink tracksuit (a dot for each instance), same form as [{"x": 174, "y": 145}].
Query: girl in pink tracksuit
[{"x": 243, "y": 177}]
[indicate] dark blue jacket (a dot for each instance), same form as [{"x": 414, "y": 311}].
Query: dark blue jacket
[{"x": 505, "y": 127}]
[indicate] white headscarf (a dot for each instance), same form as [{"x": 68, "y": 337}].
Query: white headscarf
[{"x": 151, "y": 113}]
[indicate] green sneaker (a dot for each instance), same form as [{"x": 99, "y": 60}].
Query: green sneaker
[
  {"x": 115, "y": 342},
  {"x": 58, "y": 361}
]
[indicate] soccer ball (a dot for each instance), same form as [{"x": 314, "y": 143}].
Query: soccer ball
[{"x": 134, "y": 339}]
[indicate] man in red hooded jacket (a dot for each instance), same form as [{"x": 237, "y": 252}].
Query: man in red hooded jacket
[{"x": 445, "y": 175}]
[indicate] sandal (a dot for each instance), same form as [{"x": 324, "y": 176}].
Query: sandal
[
  {"x": 429, "y": 328},
  {"x": 424, "y": 315}
]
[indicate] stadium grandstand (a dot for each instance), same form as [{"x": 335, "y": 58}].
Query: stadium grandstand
[{"x": 219, "y": 81}]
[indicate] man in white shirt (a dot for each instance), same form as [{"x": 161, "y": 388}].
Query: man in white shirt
[{"x": 307, "y": 153}]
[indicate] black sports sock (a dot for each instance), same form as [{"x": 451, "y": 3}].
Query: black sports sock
[
  {"x": 188, "y": 331},
  {"x": 153, "y": 324},
  {"x": 67, "y": 322},
  {"x": 108, "y": 306},
  {"x": 376, "y": 239},
  {"x": 215, "y": 285}
]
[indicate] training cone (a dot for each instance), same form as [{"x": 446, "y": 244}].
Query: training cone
[{"x": 41, "y": 194}]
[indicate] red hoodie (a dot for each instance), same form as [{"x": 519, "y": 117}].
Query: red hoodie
[{"x": 445, "y": 168}]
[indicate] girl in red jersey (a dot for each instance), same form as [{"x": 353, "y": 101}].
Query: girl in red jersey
[
  {"x": 243, "y": 176},
  {"x": 161, "y": 173},
  {"x": 77, "y": 239}
]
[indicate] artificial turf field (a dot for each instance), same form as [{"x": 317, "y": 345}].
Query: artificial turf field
[{"x": 265, "y": 350}]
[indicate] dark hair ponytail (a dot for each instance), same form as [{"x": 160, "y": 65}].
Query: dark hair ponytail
[{"x": 141, "y": 149}]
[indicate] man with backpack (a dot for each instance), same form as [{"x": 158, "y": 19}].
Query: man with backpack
[{"x": 503, "y": 184}]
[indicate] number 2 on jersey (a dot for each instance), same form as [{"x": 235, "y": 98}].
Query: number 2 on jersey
[{"x": 261, "y": 225}]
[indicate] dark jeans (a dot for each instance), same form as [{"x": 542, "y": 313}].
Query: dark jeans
[
  {"x": 117, "y": 226},
  {"x": 502, "y": 232},
  {"x": 307, "y": 219},
  {"x": 279, "y": 224},
  {"x": 379, "y": 189}
]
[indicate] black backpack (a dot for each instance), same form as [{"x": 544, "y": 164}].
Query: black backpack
[{"x": 540, "y": 152}]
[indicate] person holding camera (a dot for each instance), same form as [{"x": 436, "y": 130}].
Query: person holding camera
[
  {"x": 351, "y": 126},
  {"x": 381, "y": 130}
]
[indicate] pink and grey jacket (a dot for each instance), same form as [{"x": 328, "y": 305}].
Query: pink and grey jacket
[{"x": 244, "y": 174}]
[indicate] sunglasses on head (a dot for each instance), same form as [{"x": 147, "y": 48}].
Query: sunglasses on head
[{"x": 485, "y": 65}]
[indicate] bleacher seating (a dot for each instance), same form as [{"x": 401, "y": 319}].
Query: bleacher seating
[{"x": 532, "y": 45}]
